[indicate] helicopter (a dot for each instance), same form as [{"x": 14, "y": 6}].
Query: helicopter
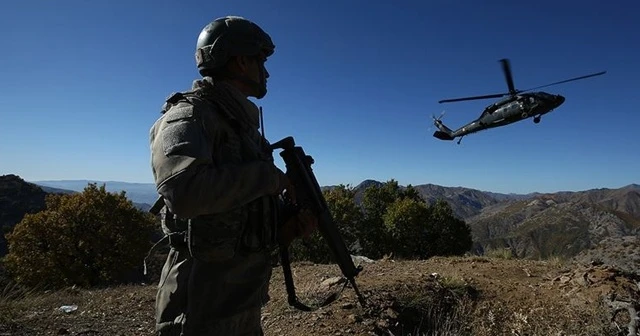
[{"x": 516, "y": 105}]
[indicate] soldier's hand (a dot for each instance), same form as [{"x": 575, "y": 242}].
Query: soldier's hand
[
  {"x": 290, "y": 194},
  {"x": 301, "y": 225},
  {"x": 287, "y": 189}
]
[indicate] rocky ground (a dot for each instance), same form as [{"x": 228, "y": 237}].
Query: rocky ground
[{"x": 440, "y": 296}]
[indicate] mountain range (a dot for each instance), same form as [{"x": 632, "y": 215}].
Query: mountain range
[
  {"x": 601, "y": 223},
  {"x": 145, "y": 193}
]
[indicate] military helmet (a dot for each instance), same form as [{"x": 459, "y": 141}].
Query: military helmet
[{"x": 230, "y": 36}]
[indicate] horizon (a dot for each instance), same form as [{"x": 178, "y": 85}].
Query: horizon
[
  {"x": 358, "y": 183},
  {"x": 356, "y": 84}
]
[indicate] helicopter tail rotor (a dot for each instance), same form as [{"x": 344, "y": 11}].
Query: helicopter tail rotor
[
  {"x": 438, "y": 118},
  {"x": 443, "y": 132},
  {"x": 435, "y": 120}
]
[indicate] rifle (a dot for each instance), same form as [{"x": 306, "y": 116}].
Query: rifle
[{"x": 309, "y": 195}]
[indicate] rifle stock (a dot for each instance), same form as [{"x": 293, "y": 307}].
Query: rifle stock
[{"x": 309, "y": 195}]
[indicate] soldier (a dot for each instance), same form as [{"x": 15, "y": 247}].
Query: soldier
[{"x": 222, "y": 192}]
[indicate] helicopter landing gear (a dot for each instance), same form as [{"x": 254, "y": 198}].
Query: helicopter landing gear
[{"x": 536, "y": 119}]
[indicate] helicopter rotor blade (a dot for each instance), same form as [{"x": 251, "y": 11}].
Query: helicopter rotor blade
[
  {"x": 567, "y": 80},
  {"x": 506, "y": 68},
  {"x": 498, "y": 95}
]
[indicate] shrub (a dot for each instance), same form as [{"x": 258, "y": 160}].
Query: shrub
[
  {"x": 406, "y": 222},
  {"x": 87, "y": 239},
  {"x": 347, "y": 218},
  {"x": 389, "y": 219}
]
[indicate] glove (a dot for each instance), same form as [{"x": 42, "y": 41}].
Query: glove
[
  {"x": 300, "y": 225},
  {"x": 285, "y": 187}
]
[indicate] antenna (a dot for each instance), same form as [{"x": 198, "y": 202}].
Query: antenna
[{"x": 261, "y": 122}]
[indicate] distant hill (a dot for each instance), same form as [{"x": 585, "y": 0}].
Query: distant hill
[
  {"x": 143, "y": 193},
  {"x": 564, "y": 224},
  {"x": 581, "y": 224},
  {"x": 532, "y": 225},
  {"x": 17, "y": 198},
  {"x": 50, "y": 190},
  {"x": 465, "y": 202}
]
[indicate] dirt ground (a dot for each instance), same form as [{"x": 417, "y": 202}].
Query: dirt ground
[{"x": 439, "y": 296}]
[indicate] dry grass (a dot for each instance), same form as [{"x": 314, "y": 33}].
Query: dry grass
[
  {"x": 461, "y": 296},
  {"x": 499, "y": 253},
  {"x": 123, "y": 310},
  {"x": 441, "y": 309}
]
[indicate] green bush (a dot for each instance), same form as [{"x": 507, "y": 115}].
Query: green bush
[
  {"x": 389, "y": 220},
  {"x": 87, "y": 239},
  {"x": 447, "y": 234},
  {"x": 347, "y": 217},
  {"x": 406, "y": 221}
]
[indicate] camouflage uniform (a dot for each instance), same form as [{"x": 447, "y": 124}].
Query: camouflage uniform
[{"x": 219, "y": 182}]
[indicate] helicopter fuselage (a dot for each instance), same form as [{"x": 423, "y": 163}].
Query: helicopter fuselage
[
  {"x": 510, "y": 110},
  {"x": 514, "y": 106}
]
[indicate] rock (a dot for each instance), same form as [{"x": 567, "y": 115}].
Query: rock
[
  {"x": 361, "y": 259},
  {"x": 382, "y": 324},
  {"x": 354, "y": 318},
  {"x": 582, "y": 280},
  {"x": 332, "y": 282},
  {"x": 390, "y": 313},
  {"x": 347, "y": 305}
]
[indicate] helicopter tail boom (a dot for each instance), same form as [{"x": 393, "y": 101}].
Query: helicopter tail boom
[{"x": 442, "y": 135}]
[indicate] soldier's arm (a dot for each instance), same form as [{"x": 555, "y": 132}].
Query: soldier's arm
[{"x": 188, "y": 178}]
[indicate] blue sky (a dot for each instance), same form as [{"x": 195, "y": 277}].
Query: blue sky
[{"x": 355, "y": 82}]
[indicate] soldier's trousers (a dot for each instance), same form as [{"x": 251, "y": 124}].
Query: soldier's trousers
[{"x": 196, "y": 298}]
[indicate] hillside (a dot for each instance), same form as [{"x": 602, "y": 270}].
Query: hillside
[
  {"x": 563, "y": 224},
  {"x": 591, "y": 240},
  {"x": 621, "y": 252},
  {"x": 543, "y": 225},
  {"x": 625, "y": 199},
  {"x": 464, "y": 201},
  {"x": 142, "y": 193},
  {"x": 534, "y": 225},
  {"x": 17, "y": 198},
  {"x": 461, "y": 296}
]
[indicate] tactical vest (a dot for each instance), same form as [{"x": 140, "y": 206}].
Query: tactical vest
[{"x": 251, "y": 227}]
